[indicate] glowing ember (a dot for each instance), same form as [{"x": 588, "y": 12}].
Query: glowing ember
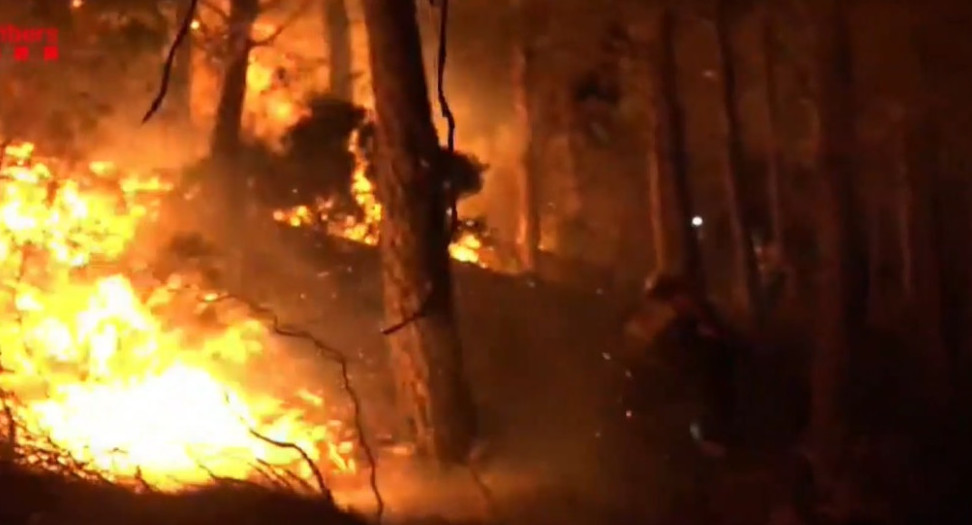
[
  {"x": 98, "y": 369},
  {"x": 364, "y": 229}
]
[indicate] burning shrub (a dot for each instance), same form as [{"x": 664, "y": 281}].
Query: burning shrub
[
  {"x": 335, "y": 144},
  {"x": 129, "y": 378}
]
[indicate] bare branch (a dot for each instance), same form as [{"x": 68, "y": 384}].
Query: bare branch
[
  {"x": 318, "y": 477},
  {"x": 339, "y": 357},
  {"x": 184, "y": 29}
]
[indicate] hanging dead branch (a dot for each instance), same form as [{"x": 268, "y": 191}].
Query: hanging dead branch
[{"x": 181, "y": 35}]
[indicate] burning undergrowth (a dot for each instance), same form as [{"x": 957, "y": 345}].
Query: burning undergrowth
[
  {"x": 331, "y": 150},
  {"x": 109, "y": 373}
]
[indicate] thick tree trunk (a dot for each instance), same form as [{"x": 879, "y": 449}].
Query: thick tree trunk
[
  {"x": 746, "y": 270},
  {"x": 337, "y": 30},
  {"x": 841, "y": 276},
  {"x": 671, "y": 162},
  {"x": 225, "y": 142},
  {"x": 415, "y": 238},
  {"x": 528, "y": 219}
]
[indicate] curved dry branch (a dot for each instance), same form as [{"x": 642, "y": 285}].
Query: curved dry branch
[{"x": 184, "y": 29}]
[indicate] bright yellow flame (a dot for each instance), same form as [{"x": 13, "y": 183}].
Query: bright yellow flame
[
  {"x": 101, "y": 370},
  {"x": 467, "y": 248},
  {"x": 271, "y": 106}
]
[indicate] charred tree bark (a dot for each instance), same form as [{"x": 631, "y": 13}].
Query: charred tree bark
[
  {"x": 528, "y": 219},
  {"x": 671, "y": 157},
  {"x": 225, "y": 142},
  {"x": 337, "y": 29},
  {"x": 415, "y": 238},
  {"x": 842, "y": 301},
  {"x": 746, "y": 270}
]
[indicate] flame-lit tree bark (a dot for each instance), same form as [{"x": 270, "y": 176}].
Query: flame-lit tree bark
[
  {"x": 841, "y": 305},
  {"x": 426, "y": 353},
  {"x": 225, "y": 142},
  {"x": 745, "y": 265},
  {"x": 774, "y": 153},
  {"x": 669, "y": 159},
  {"x": 337, "y": 31},
  {"x": 528, "y": 219}
]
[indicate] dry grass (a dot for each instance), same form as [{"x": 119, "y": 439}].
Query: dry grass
[{"x": 47, "y": 499}]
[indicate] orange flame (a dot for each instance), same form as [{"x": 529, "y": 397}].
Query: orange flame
[{"x": 93, "y": 365}]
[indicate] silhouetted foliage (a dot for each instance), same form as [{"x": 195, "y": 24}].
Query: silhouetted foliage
[{"x": 318, "y": 143}]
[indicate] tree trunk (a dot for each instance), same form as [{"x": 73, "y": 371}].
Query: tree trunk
[
  {"x": 873, "y": 220},
  {"x": 528, "y": 220},
  {"x": 774, "y": 152},
  {"x": 841, "y": 276},
  {"x": 924, "y": 234},
  {"x": 746, "y": 270},
  {"x": 337, "y": 30},
  {"x": 415, "y": 239},
  {"x": 671, "y": 158},
  {"x": 660, "y": 225},
  {"x": 926, "y": 227},
  {"x": 225, "y": 143}
]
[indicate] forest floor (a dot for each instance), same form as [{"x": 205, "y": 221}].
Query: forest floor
[{"x": 557, "y": 450}]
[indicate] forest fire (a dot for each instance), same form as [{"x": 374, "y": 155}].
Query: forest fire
[
  {"x": 363, "y": 227},
  {"x": 96, "y": 367}
]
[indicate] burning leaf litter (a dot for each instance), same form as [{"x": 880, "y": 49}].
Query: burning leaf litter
[{"x": 110, "y": 373}]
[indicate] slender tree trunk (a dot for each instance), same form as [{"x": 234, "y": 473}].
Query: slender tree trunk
[
  {"x": 660, "y": 226},
  {"x": 415, "y": 239},
  {"x": 905, "y": 215},
  {"x": 924, "y": 234},
  {"x": 774, "y": 153},
  {"x": 225, "y": 142},
  {"x": 746, "y": 270},
  {"x": 337, "y": 29},
  {"x": 926, "y": 227},
  {"x": 528, "y": 220},
  {"x": 672, "y": 159},
  {"x": 873, "y": 219},
  {"x": 841, "y": 276}
]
